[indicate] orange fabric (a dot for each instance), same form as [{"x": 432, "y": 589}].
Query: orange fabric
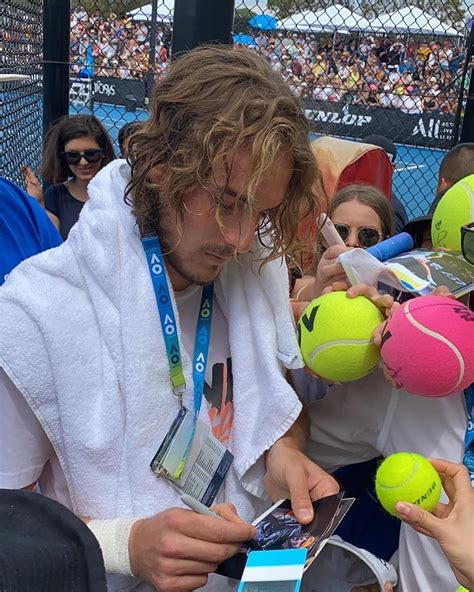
[{"x": 342, "y": 163}]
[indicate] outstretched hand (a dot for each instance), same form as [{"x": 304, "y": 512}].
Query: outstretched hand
[
  {"x": 450, "y": 524},
  {"x": 32, "y": 185}
]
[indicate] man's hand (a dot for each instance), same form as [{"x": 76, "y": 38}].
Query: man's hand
[
  {"x": 291, "y": 474},
  {"x": 450, "y": 524},
  {"x": 175, "y": 550}
]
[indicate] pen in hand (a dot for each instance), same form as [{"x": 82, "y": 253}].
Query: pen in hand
[{"x": 200, "y": 508}]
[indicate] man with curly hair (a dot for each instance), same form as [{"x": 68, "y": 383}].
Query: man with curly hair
[{"x": 171, "y": 286}]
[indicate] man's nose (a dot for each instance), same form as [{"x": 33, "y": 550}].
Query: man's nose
[{"x": 240, "y": 235}]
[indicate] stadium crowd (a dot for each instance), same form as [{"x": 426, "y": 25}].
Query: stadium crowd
[
  {"x": 390, "y": 72},
  {"x": 118, "y": 46},
  {"x": 385, "y": 72}
]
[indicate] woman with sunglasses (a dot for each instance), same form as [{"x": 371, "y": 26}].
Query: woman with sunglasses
[
  {"x": 363, "y": 217},
  {"x": 75, "y": 149}
]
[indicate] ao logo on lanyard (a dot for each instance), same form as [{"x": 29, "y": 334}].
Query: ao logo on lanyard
[{"x": 209, "y": 460}]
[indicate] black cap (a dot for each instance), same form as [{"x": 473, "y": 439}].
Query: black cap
[
  {"x": 417, "y": 227},
  {"x": 46, "y": 548},
  {"x": 382, "y": 142}
]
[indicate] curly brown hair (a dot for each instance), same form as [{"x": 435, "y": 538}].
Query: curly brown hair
[
  {"x": 54, "y": 168},
  {"x": 214, "y": 101}
]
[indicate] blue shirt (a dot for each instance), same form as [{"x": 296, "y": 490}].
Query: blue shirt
[{"x": 25, "y": 228}]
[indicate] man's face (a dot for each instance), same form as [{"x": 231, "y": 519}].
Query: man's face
[{"x": 206, "y": 246}]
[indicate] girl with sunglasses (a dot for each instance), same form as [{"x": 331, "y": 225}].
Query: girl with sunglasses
[
  {"x": 75, "y": 149},
  {"x": 363, "y": 217}
]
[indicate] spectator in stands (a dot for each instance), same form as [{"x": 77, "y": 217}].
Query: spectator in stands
[
  {"x": 25, "y": 229},
  {"x": 124, "y": 45},
  {"x": 75, "y": 149},
  {"x": 400, "y": 217}
]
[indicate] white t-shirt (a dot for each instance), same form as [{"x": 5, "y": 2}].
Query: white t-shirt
[
  {"x": 359, "y": 421},
  {"x": 27, "y": 455}
]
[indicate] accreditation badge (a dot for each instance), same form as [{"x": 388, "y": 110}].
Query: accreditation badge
[{"x": 192, "y": 458}]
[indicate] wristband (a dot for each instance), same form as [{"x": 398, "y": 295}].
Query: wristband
[{"x": 113, "y": 536}]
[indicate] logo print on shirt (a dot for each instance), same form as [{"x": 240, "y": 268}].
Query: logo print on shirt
[{"x": 220, "y": 397}]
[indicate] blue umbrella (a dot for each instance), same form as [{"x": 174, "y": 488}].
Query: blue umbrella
[
  {"x": 244, "y": 39},
  {"x": 264, "y": 22}
]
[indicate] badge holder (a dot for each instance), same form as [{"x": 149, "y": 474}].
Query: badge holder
[{"x": 196, "y": 466}]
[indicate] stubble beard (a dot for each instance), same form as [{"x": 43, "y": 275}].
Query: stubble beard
[{"x": 176, "y": 261}]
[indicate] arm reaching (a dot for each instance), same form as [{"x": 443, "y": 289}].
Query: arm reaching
[{"x": 451, "y": 524}]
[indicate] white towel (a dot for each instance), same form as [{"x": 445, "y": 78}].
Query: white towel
[{"x": 80, "y": 337}]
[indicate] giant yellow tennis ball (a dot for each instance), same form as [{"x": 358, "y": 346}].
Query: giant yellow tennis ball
[
  {"x": 407, "y": 477},
  {"x": 335, "y": 336},
  {"x": 455, "y": 209}
]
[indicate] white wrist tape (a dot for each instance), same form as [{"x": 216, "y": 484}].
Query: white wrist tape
[{"x": 113, "y": 540}]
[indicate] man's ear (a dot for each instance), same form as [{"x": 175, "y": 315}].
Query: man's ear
[{"x": 443, "y": 184}]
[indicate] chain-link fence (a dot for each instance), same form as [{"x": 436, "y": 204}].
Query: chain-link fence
[
  {"x": 382, "y": 67},
  {"x": 379, "y": 67},
  {"x": 21, "y": 47},
  {"x": 118, "y": 50}
]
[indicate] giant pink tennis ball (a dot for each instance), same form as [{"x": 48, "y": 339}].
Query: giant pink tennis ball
[{"x": 427, "y": 346}]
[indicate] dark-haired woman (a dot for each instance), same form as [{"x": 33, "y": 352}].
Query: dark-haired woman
[{"x": 75, "y": 149}]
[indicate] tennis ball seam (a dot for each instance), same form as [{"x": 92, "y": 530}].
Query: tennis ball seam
[
  {"x": 448, "y": 303},
  {"x": 324, "y": 346},
  {"x": 407, "y": 480},
  {"x": 470, "y": 197},
  {"x": 441, "y": 338}
]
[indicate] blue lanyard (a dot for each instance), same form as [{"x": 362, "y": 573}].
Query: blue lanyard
[
  {"x": 469, "y": 438},
  {"x": 169, "y": 326}
]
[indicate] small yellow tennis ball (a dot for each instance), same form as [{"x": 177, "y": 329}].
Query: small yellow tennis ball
[
  {"x": 335, "y": 336},
  {"x": 462, "y": 589},
  {"x": 455, "y": 209},
  {"x": 407, "y": 477}
]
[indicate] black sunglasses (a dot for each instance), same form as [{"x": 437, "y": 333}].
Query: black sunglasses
[
  {"x": 467, "y": 242},
  {"x": 366, "y": 236},
  {"x": 92, "y": 155}
]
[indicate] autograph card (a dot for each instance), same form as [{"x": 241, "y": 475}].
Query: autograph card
[{"x": 278, "y": 529}]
